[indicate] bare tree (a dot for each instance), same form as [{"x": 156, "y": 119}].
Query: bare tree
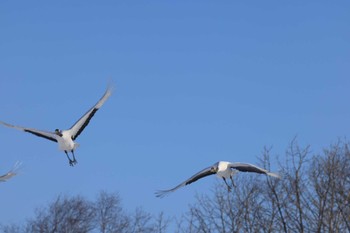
[
  {"x": 65, "y": 214},
  {"x": 110, "y": 215},
  {"x": 329, "y": 177},
  {"x": 111, "y": 218},
  {"x": 313, "y": 195},
  {"x": 78, "y": 215},
  {"x": 161, "y": 223},
  {"x": 11, "y": 228},
  {"x": 238, "y": 211},
  {"x": 140, "y": 222},
  {"x": 289, "y": 197}
]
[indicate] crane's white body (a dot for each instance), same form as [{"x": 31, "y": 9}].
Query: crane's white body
[
  {"x": 224, "y": 170},
  {"x": 65, "y": 143}
]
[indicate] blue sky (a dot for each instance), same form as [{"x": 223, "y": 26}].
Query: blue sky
[{"x": 195, "y": 82}]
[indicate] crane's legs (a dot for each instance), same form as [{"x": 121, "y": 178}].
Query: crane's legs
[
  {"x": 233, "y": 183},
  {"x": 74, "y": 160},
  {"x": 71, "y": 162},
  {"x": 228, "y": 186}
]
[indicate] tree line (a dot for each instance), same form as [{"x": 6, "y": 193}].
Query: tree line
[{"x": 313, "y": 195}]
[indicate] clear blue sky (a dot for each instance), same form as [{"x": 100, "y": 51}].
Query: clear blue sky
[{"x": 195, "y": 82}]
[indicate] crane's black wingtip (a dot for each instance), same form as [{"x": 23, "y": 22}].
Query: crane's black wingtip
[{"x": 161, "y": 193}]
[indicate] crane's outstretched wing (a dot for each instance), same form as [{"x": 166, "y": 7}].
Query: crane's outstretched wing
[
  {"x": 44, "y": 134},
  {"x": 205, "y": 172},
  {"x": 80, "y": 125},
  {"x": 246, "y": 167},
  {"x": 11, "y": 173}
]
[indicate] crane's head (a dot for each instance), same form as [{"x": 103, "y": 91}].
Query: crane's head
[{"x": 58, "y": 132}]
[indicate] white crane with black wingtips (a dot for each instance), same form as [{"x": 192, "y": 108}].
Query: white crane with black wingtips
[
  {"x": 224, "y": 170},
  {"x": 66, "y": 138}
]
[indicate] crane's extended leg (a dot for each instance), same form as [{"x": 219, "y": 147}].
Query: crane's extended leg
[
  {"x": 228, "y": 186},
  {"x": 71, "y": 162},
  {"x": 233, "y": 183},
  {"x": 74, "y": 160}
]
